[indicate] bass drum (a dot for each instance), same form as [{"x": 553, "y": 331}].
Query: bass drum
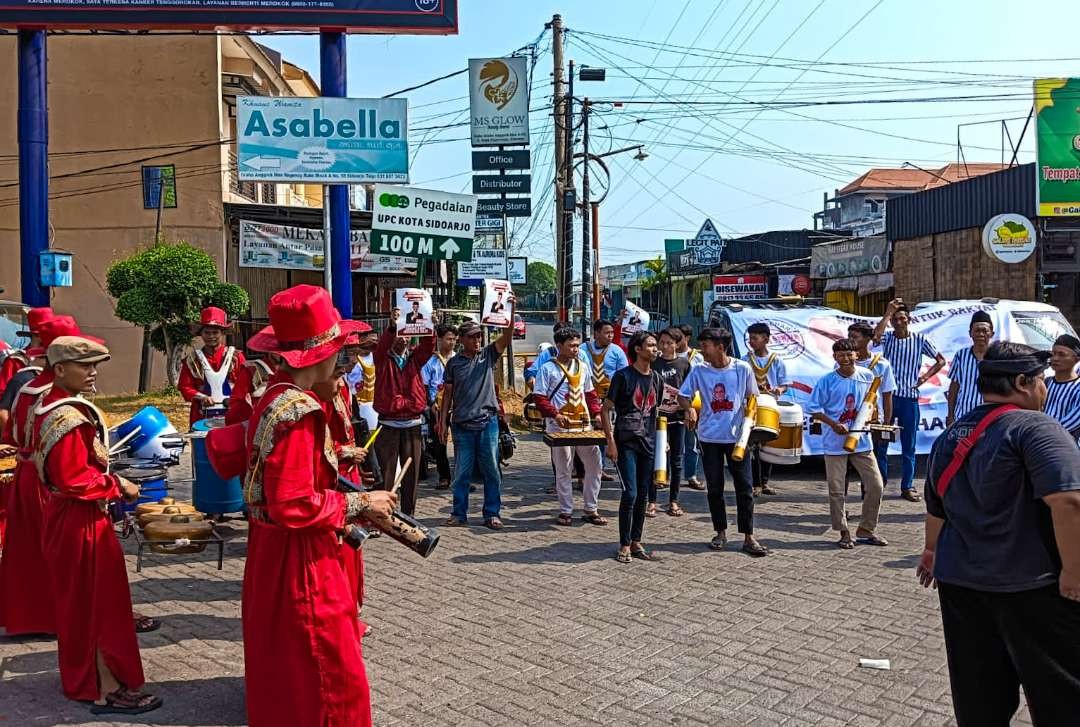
[
  {"x": 766, "y": 420},
  {"x": 787, "y": 448}
]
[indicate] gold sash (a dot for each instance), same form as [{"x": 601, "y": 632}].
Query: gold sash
[
  {"x": 601, "y": 382},
  {"x": 761, "y": 373},
  {"x": 366, "y": 395},
  {"x": 574, "y": 407}
]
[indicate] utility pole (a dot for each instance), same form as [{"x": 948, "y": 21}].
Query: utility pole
[
  {"x": 558, "y": 100},
  {"x": 595, "y": 209},
  {"x": 586, "y": 246},
  {"x": 568, "y": 203}
]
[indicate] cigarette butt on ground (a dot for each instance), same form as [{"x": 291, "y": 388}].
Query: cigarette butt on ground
[{"x": 875, "y": 664}]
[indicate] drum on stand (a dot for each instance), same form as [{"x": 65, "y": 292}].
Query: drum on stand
[
  {"x": 211, "y": 492},
  {"x": 766, "y": 420},
  {"x": 151, "y": 481},
  {"x": 786, "y": 448}
]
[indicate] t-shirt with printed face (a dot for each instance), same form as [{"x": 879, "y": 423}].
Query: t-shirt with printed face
[
  {"x": 998, "y": 534},
  {"x": 723, "y": 399},
  {"x": 673, "y": 372},
  {"x": 839, "y": 397}
]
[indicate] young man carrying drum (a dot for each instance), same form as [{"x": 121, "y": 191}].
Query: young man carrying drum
[{"x": 771, "y": 376}]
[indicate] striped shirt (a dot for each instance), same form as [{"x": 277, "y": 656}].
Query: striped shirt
[
  {"x": 906, "y": 355},
  {"x": 1063, "y": 403},
  {"x": 964, "y": 370}
]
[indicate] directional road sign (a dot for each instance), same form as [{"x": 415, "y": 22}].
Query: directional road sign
[
  {"x": 322, "y": 140},
  {"x": 410, "y": 222},
  {"x": 508, "y": 184},
  {"x": 520, "y": 207}
]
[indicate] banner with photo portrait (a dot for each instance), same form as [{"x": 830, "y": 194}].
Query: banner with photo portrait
[
  {"x": 415, "y": 317},
  {"x": 495, "y": 310}
]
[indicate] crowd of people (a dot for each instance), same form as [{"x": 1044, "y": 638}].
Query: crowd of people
[{"x": 333, "y": 417}]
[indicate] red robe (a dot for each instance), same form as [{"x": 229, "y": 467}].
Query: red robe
[
  {"x": 191, "y": 382},
  {"x": 82, "y": 553},
  {"x": 10, "y": 367},
  {"x": 302, "y": 654},
  {"x": 339, "y": 418},
  {"x": 245, "y": 391},
  {"x": 26, "y": 600}
]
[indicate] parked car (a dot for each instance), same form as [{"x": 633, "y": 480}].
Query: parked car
[
  {"x": 803, "y": 333},
  {"x": 12, "y": 320},
  {"x": 519, "y": 326}
]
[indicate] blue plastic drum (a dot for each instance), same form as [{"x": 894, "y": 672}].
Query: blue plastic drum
[
  {"x": 211, "y": 493},
  {"x": 153, "y": 427},
  {"x": 151, "y": 482}
]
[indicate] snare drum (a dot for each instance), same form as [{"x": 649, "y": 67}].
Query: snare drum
[
  {"x": 767, "y": 420},
  {"x": 154, "y": 438},
  {"x": 884, "y": 433},
  {"x": 787, "y": 448}
]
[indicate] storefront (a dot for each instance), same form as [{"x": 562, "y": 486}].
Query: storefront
[{"x": 853, "y": 275}]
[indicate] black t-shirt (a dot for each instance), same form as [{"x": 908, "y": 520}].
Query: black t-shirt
[
  {"x": 636, "y": 399},
  {"x": 998, "y": 534},
  {"x": 22, "y": 377},
  {"x": 673, "y": 373}
]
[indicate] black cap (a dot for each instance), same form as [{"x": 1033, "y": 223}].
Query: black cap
[
  {"x": 469, "y": 328},
  {"x": 1070, "y": 342},
  {"x": 981, "y": 316}
]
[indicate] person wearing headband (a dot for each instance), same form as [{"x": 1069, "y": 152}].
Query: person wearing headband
[
  {"x": 1063, "y": 387},
  {"x": 963, "y": 394},
  {"x": 1002, "y": 544}
]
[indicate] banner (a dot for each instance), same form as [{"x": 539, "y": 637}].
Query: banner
[
  {"x": 849, "y": 258},
  {"x": 414, "y": 312},
  {"x": 495, "y": 310},
  {"x": 739, "y": 287},
  {"x": 288, "y": 247},
  {"x": 1057, "y": 166},
  {"x": 802, "y": 337},
  {"x": 486, "y": 264},
  {"x": 634, "y": 319},
  {"x": 499, "y": 100}
]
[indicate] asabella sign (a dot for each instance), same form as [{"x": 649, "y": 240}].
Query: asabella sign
[{"x": 366, "y": 126}]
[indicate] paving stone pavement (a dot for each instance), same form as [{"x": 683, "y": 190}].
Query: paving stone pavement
[{"x": 538, "y": 625}]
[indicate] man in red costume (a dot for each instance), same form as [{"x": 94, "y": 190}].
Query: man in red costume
[
  {"x": 26, "y": 602},
  {"x": 14, "y": 359},
  {"x": 98, "y": 652},
  {"x": 302, "y": 653},
  {"x": 250, "y": 385},
  {"x": 209, "y": 373}
]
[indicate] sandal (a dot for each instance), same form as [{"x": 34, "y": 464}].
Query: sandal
[
  {"x": 623, "y": 556},
  {"x": 650, "y": 511},
  {"x": 718, "y": 542},
  {"x": 125, "y": 701},
  {"x": 594, "y": 518},
  {"x": 564, "y": 519},
  {"x": 845, "y": 544},
  {"x": 145, "y": 624},
  {"x": 494, "y": 523},
  {"x": 755, "y": 550},
  {"x": 870, "y": 540},
  {"x": 642, "y": 554},
  {"x": 674, "y": 510},
  {"x": 450, "y": 523}
]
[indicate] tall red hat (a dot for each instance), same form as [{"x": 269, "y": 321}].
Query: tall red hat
[
  {"x": 305, "y": 328},
  {"x": 34, "y": 318},
  {"x": 55, "y": 327},
  {"x": 211, "y": 316}
]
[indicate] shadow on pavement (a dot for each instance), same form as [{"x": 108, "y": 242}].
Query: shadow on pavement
[{"x": 559, "y": 553}]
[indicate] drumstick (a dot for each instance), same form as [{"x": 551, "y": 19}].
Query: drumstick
[
  {"x": 400, "y": 475},
  {"x": 120, "y": 445},
  {"x": 371, "y": 439}
]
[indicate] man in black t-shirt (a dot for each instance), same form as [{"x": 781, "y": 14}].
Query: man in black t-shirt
[
  {"x": 1003, "y": 546},
  {"x": 673, "y": 371}
]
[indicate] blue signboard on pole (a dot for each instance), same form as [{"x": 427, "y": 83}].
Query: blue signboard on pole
[
  {"x": 436, "y": 17},
  {"x": 322, "y": 140}
]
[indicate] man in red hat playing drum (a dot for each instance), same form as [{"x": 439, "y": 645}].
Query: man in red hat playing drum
[
  {"x": 13, "y": 359},
  {"x": 302, "y": 654},
  {"x": 209, "y": 373}
]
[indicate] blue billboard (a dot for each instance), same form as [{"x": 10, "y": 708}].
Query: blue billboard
[{"x": 436, "y": 17}]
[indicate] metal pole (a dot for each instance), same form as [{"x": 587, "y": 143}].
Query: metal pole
[
  {"x": 332, "y": 74},
  {"x": 586, "y": 243},
  {"x": 328, "y": 254},
  {"x": 567, "y": 278},
  {"x": 559, "y": 102},
  {"x": 33, "y": 134},
  {"x": 596, "y": 258}
]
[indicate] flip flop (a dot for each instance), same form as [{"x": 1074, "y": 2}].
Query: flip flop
[
  {"x": 871, "y": 540},
  {"x": 494, "y": 523},
  {"x": 564, "y": 520},
  {"x": 145, "y": 624},
  {"x": 123, "y": 701},
  {"x": 623, "y": 557},
  {"x": 845, "y": 544},
  {"x": 642, "y": 554},
  {"x": 718, "y": 542},
  {"x": 755, "y": 550},
  {"x": 594, "y": 518}
]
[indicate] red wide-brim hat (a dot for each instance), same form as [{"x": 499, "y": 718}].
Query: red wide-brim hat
[
  {"x": 55, "y": 327},
  {"x": 211, "y": 316},
  {"x": 305, "y": 328},
  {"x": 34, "y": 318}
]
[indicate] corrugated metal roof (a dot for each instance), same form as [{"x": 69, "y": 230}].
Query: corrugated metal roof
[
  {"x": 775, "y": 246},
  {"x": 957, "y": 206}
]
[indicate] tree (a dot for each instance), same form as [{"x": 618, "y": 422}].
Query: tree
[
  {"x": 658, "y": 282},
  {"x": 163, "y": 288},
  {"x": 541, "y": 278}
]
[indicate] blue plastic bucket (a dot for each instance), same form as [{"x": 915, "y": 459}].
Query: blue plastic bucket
[
  {"x": 211, "y": 493},
  {"x": 152, "y": 426},
  {"x": 151, "y": 482}
]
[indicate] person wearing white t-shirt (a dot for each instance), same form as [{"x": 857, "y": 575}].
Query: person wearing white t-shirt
[
  {"x": 690, "y": 445},
  {"x": 835, "y": 403},
  {"x": 724, "y": 384}
]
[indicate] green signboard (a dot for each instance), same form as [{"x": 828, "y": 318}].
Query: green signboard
[{"x": 1057, "y": 101}]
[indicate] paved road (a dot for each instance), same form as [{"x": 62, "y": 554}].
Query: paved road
[{"x": 538, "y": 625}]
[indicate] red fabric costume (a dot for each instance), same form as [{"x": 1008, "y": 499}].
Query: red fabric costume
[
  {"x": 339, "y": 419},
  {"x": 250, "y": 383},
  {"x": 14, "y": 361},
  {"x": 82, "y": 553},
  {"x": 191, "y": 382},
  {"x": 302, "y": 654},
  {"x": 26, "y": 600}
]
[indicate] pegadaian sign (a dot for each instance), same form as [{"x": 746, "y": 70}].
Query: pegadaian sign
[{"x": 402, "y": 17}]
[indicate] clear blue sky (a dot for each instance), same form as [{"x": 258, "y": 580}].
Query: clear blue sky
[{"x": 749, "y": 168}]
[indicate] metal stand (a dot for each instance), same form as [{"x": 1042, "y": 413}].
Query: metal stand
[{"x": 143, "y": 543}]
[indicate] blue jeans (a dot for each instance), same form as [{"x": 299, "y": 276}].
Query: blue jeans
[
  {"x": 472, "y": 446},
  {"x": 906, "y": 412},
  {"x": 690, "y": 454},
  {"x": 636, "y": 470}
]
